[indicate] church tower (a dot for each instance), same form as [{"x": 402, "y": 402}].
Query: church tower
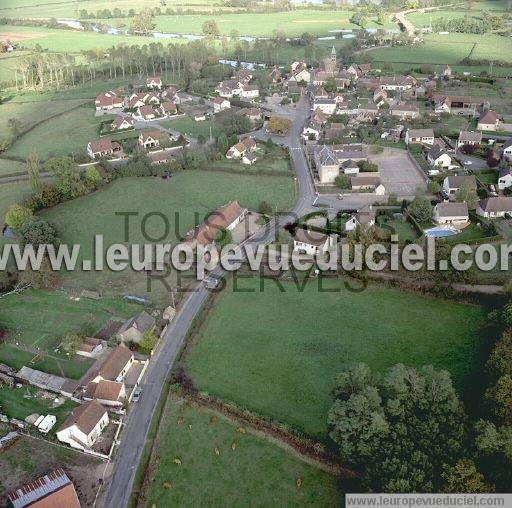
[{"x": 333, "y": 55}]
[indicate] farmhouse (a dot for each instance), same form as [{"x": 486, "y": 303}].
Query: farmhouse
[
  {"x": 229, "y": 88},
  {"x": 467, "y": 138},
  {"x": 327, "y": 159},
  {"x": 134, "y": 328},
  {"x": 456, "y": 214},
  {"x": 311, "y": 242},
  {"x": 249, "y": 158},
  {"x": 103, "y": 147},
  {"x": 420, "y": 136},
  {"x": 54, "y": 489},
  {"x": 451, "y": 184},
  {"x": 438, "y": 157},
  {"x": 237, "y": 151},
  {"x": 116, "y": 365},
  {"x": 121, "y": 123},
  {"x": 154, "y": 82},
  {"x": 108, "y": 101},
  {"x": 494, "y": 207},
  {"x": 107, "y": 393},
  {"x": 489, "y": 121},
  {"x": 219, "y": 104},
  {"x": 84, "y": 425},
  {"x": 362, "y": 218},
  {"x": 225, "y": 217}
]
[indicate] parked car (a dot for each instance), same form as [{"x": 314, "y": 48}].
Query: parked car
[{"x": 136, "y": 394}]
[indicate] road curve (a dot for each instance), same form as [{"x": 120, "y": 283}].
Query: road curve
[{"x": 138, "y": 419}]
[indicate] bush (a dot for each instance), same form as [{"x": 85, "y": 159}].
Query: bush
[{"x": 17, "y": 216}]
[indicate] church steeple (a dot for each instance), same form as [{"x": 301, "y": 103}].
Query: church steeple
[{"x": 333, "y": 55}]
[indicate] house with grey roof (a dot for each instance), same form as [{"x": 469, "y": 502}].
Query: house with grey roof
[
  {"x": 456, "y": 214},
  {"x": 134, "y": 328},
  {"x": 451, "y": 184},
  {"x": 494, "y": 207}
]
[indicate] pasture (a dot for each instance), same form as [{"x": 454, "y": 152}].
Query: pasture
[
  {"x": 190, "y": 194},
  {"x": 237, "y": 354},
  {"x": 255, "y": 469}
]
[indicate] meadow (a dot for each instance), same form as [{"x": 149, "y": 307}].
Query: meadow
[
  {"x": 238, "y": 352},
  {"x": 256, "y": 469},
  {"x": 10, "y": 194},
  {"x": 190, "y": 194}
]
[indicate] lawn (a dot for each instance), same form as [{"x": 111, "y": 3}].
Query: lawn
[
  {"x": 189, "y": 127},
  {"x": 39, "y": 319},
  {"x": 278, "y": 353},
  {"x": 256, "y": 470},
  {"x": 63, "y": 135},
  {"x": 191, "y": 194},
  {"x": 8, "y": 167},
  {"x": 404, "y": 229},
  {"x": 270, "y": 163}
]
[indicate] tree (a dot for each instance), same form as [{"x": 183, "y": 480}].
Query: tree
[
  {"x": 265, "y": 208},
  {"x": 500, "y": 359},
  {"x": 400, "y": 428},
  {"x": 342, "y": 181},
  {"x": 37, "y": 231},
  {"x": 501, "y": 397},
  {"x": 464, "y": 477},
  {"x": 210, "y": 28},
  {"x": 92, "y": 178},
  {"x": 434, "y": 187},
  {"x": 330, "y": 85},
  {"x": 33, "y": 170},
  {"x": 16, "y": 216},
  {"x": 222, "y": 143},
  {"x": 223, "y": 237},
  {"x": 279, "y": 125},
  {"x": 421, "y": 209},
  {"x": 467, "y": 193},
  {"x": 143, "y": 22},
  {"x": 147, "y": 342}
]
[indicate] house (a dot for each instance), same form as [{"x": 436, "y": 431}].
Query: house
[
  {"x": 108, "y": 101},
  {"x": 311, "y": 242},
  {"x": 404, "y": 110},
  {"x": 467, "y": 138},
  {"x": 451, "y": 184},
  {"x": 220, "y": 104},
  {"x": 368, "y": 182},
  {"x": 121, "y": 123},
  {"x": 326, "y": 163},
  {"x": 311, "y": 131},
  {"x": 146, "y": 113},
  {"x": 170, "y": 93},
  {"x": 150, "y": 139},
  {"x": 333, "y": 131},
  {"x": 326, "y": 106},
  {"x": 134, "y": 328},
  {"x": 249, "y": 158},
  {"x": 349, "y": 167},
  {"x": 116, "y": 365},
  {"x": 137, "y": 100},
  {"x": 275, "y": 76},
  {"x": 491, "y": 208},
  {"x": 249, "y": 92},
  {"x": 84, "y": 425},
  {"x": 488, "y": 121},
  {"x": 447, "y": 72},
  {"x": 319, "y": 92},
  {"x": 229, "y": 88},
  {"x": 103, "y": 147},
  {"x": 397, "y": 83},
  {"x": 504, "y": 179},
  {"x": 362, "y": 218},
  {"x": 154, "y": 82},
  {"x": 107, "y": 393},
  {"x": 160, "y": 157},
  {"x": 225, "y": 217},
  {"x": 90, "y": 347},
  {"x": 438, "y": 157},
  {"x": 152, "y": 98},
  {"x": 506, "y": 150},
  {"x": 456, "y": 214},
  {"x": 167, "y": 108},
  {"x": 244, "y": 146},
  {"x": 299, "y": 73},
  {"x": 421, "y": 136},
  {"x": 54, "y": 489},
  {"x": 455, "y": 104},
  {"x": 253, "y": 114}
]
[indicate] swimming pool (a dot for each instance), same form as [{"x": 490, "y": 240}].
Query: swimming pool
[{"x": 441, "y": 231}]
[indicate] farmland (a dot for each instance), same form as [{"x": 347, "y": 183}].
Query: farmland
[
  {"x": 36, "y": 321},
  {"x": 191, "y": 194},
  {"x": 263, "y": 471},
  {"x": 320, "y": 333}
]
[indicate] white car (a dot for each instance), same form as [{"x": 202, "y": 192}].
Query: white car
[{"x": 136, "y": 394}]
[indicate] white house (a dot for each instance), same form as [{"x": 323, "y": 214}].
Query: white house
[
  {"x": 456, "y": 214},
  {"x": 362, "y": 218},
  {"x": 438, "y": 157},
  {"x": 491, "y": 208},
  {"x": 507, "y": 149},
  {"x": 220, "y": 104},
  {"x": 103, "y": 147},
  {"x": 149, "y": 139},
  {"x": 249, "y": 92},
  {"x": 469, "y": 138},
  {"x": 326, "y": 106},
  {"x": 116, "y": 365},
  {"x": 84, "y": 425},
  {"x": 451, "y": 184},
  {"x": 421, "y": 136},
  {"x": 311, "y": 131},
  {"x": 504, "y": 179},
  {"x": 489, "y": 121},
  {"x": 311, "y": 242},
  {"x": 121, "y": 123},
  {"x": 154, "y": 82},
  {"x": 249, "y": 158}
]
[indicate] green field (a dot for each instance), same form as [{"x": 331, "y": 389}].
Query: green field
[
  {"x": 9, "y": 167},
  {"x": 257, "y": 470},
  {"x": 188, "y": 193},
  {"x": 278, "y": 353},
  {"x": 12, "y": 193},
  {"x": 190, "y": 127},
  {"x": 37, "y": 321}
]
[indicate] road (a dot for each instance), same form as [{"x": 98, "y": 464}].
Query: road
[{"x": 138, "y": 420}]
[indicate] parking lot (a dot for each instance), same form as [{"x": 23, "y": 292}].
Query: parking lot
[{"x": 399, "y": 173}]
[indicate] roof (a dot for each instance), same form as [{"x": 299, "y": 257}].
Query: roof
[
  {"x": 421, "y": 133},
  {"x": 365, "y": 215},
  {"x": 475, "y": 137},
  {"x": 404, "y": 107},
  {"x": 436, "y": 151},
  {"x": 489, "y": 117},
  {"x": 85, "y": 417},
  {"x": 143, "y": 322},
  {"x": 359, "y": 181},
  {"x": 156, "y": 79},
  {"x": 168, "y": 106},
  {"x": 103, "y": 390},
  {"x": 455, "y": 182},
  {"x": 220, "y": 100},
  {"x": 118, "y": 120},
  {"x": 310, "y": 237},
  {"x": 53, "y": 490},
  {"x": 115, "y": 362},
  {"x": 153, "y": 134},
  {"x": 450, "y": 209},
  {"x": 507, "y": 144},
  {"x": 148, "y": 109},
  {"x": 102, "y": 145},
  {"x": 499, "y": 204},
  {"x": 324, "y": 156}
]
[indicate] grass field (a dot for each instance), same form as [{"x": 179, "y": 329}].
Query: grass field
[
  {"x": 12, "y": 193},
  {"x": 188, "y": 193},
  {"x": 39, "y": 319},
  {"x": 278, "y": 353},
  {"x": 257, "y": 469},
  {"x": 271, "y": 164},
  {"x": 188, "y": 126},
  {"x": 8, "y": 167}
]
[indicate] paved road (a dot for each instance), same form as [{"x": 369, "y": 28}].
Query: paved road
[{"x": 133, "y": 437}]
